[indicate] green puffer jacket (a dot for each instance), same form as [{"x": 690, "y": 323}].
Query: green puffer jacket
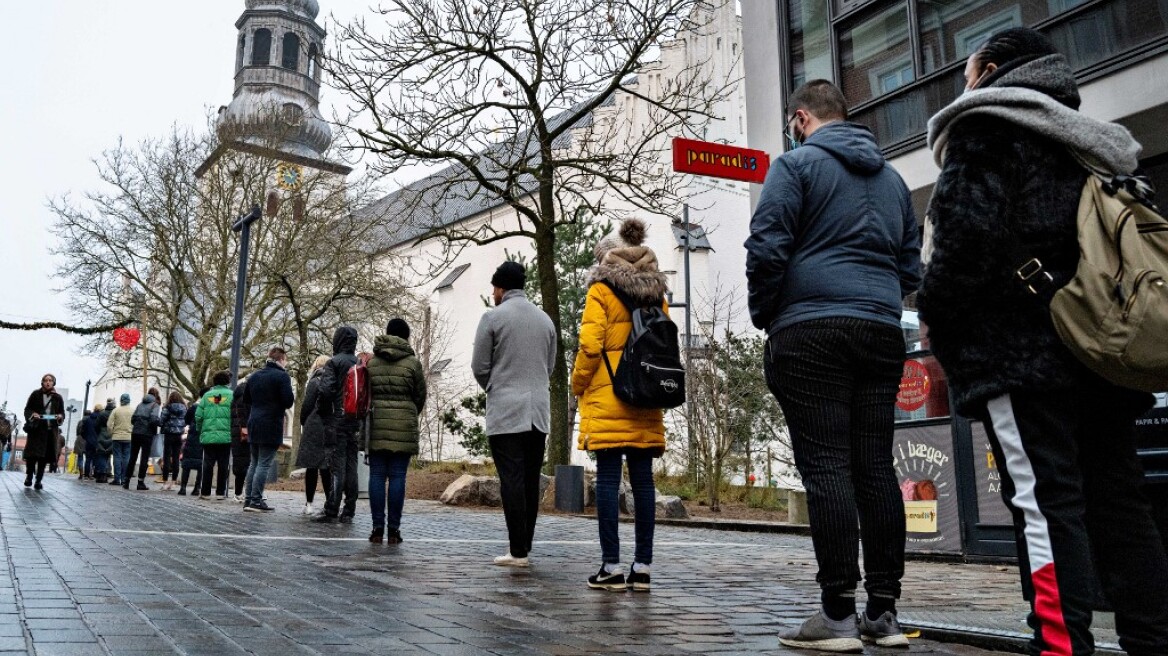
[
  {"x": 213, "y": 416},
  {"x": 398, "y": 391}
]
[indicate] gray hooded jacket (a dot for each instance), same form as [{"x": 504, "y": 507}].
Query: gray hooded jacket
[{"x": 514, "y": 352}]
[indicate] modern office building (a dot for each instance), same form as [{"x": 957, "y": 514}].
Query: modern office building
[{"x": 898, "y": 62}]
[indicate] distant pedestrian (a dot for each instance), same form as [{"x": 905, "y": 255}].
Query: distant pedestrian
[
  {"x": 614, "y": 431},
  {"x": 121, "y": 426},
  {"x": 213, "y": 420},
  {"x": 343, "y": 430},
  {"x": 105, "y": 443},
  {"x": 91, "y": 437},
  {"x": 173, "y": 422},
  {"x": 397, "y": 394},
  {"x": 269, "y": 394},
  {"x": 514, "y": 352},
  {"x": 834, "y": 248},
  {"x": 1063, "y": 438},
  {"x": 79, "y": 445},
  {"x": 192, "y": 450},
  {"x": 240, "y": 448},
  {"x": 145, "y": 426},
  {"x": 43, "y": 415},
  {"x": 316, "y": 448}
]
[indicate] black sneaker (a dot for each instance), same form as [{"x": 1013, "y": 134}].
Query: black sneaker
[
  {"x": 346, "y": 519},
  {"x": 325, "y": 519},
  {"x": 260, "y": 507},
  {"x": 614, "y": 582},
  {"x": 38, "y": 486},
  {"x": 393, "y": 537},
  {"x": 377, "y": 535},
  {"x": 884, "y": 631},
  {"x": 142, "y": 486},
  {"x": 182, "y": 491},
  {"x": 28, "y": 482},
  {"x": 638, "y": 581}
]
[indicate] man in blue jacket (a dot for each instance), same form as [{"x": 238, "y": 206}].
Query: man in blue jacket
[
  {"x": 269, "y": 394},
  {"x": 834, "y": 247}
]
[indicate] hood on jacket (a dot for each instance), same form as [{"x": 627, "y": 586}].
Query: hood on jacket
[
  {"x": 633, "y": 270},
  {"x": 392, "y": 348},
  {"x": 345, "y": 340},
  {"x": 853, "y": 145},
  {"x": 1050, "y": 74},
  {"x": 148, "y": 399}
]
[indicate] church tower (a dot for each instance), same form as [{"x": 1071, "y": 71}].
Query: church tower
[{"x": 275, "y": 110}]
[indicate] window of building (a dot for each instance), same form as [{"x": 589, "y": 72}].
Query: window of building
[
  {"x": 952, "y": 30},
  {"x": 875, "y": 55},
  {"x": 810, "y": 41},
  {"x": 448, "y": 281},
  {"x": 261, "y": 48},
  {"x": 240, "y": 53},
  {"x": 291, "y": 52},
  {"x": 313, "y": 56}
]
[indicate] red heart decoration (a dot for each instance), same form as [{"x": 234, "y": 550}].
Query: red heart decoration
[{"x": 127, "y": 338}]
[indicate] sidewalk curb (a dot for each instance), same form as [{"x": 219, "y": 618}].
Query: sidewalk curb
[{"x": 988, "y": 641}]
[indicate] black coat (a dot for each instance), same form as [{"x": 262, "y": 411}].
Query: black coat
[
  {"x": 42, "y": 434},
  {"x": 1001, "y": 184},
  {"x": 269, "y": 393},
  {"x": 332, "y": 378},
  {"x": 316, "y": 442},
  {"x": 192, "y": 449},
  {"x": 240, "y": 450}
]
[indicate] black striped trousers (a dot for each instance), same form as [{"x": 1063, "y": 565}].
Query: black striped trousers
[{"x": 836, "y": 380}]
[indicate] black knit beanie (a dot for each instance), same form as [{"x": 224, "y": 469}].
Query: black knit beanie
[
  {"x": 398, "y": 328},
  {"x": 509, "y": 275}
]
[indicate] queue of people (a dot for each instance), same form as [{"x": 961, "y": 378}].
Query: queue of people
[{"x": 834, "y": 249}]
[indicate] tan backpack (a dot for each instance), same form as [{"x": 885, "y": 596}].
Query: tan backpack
[{"x": 1113, "y": 314}]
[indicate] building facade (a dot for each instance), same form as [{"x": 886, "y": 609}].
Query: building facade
[{"x": 898, "y": 62}]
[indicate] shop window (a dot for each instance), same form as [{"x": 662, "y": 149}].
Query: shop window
[
  {"x": 261, "y": 48},
  {"x": 291, "y": 52},
  {"x": 875, "y": 56},
  {"x": 810, "y": 41}
]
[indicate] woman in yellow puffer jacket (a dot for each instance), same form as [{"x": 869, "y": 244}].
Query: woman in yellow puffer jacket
[{"x": 617, "y": 432}]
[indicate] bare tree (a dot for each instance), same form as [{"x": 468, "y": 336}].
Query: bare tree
[
  {"x": 526, "y": 104},
  {"x": 156, "y": 243},
  {"x": 734, "y": 416}
]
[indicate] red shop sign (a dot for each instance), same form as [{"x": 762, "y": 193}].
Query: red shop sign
[
  {"x": 720, "y": 160},
  {"x": 914, "y": 387}
]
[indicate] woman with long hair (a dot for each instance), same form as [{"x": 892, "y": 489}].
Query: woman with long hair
[
  {"x": 43, "y": 415},
  {"x": 315, "y": 452}
]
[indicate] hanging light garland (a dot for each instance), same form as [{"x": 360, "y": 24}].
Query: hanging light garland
[{"x": 55, "y": 325}]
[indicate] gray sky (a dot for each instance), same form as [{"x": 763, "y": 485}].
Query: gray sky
[{"x": 79, "y": 75}]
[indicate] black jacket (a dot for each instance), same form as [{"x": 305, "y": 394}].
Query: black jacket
[
  {"x": 269, "y": 393},
  {"x": 834, "y": 235},
  {"x": 192, "y": 449},
  {"x": 1001, "y": 184},
  {"x": 240, "y": 411},
  {"x": 332, "y": 378},
  {"x": 147, "y": 417}
]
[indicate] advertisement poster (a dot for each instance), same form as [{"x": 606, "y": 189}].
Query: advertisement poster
[
  {"x": 990, "y": 507},
  {"x": 923, "y": 457}
]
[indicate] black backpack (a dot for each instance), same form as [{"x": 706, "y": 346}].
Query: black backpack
[{"x": 650, "y": 373}]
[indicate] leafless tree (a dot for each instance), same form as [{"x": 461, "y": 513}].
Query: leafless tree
[
  {"x": 155, "y": 243},
  {"x": 526, "y": 105}
]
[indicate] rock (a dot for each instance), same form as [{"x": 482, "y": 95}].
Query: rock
[
  {"x": 671, "y": 507},
  {"x": 470, "y": 490},
  {"x": 297, "y": 475}
]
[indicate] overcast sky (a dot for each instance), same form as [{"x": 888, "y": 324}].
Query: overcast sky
[{"x": 80, "y": 74}]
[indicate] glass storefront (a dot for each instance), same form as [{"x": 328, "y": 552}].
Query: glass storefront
[{"x": 898, "y": 62}]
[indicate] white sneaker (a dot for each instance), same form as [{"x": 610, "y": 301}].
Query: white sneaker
[
  {"x": 238, "y": 499},
  {"x": 511, "y": 561},
  {"x": 308, "y": 509}
]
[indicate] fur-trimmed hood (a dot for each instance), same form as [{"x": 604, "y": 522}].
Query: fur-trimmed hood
[{"x": 633, "y": 270}]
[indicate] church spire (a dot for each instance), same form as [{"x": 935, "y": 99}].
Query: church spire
[{"x": 277, "y": 80}]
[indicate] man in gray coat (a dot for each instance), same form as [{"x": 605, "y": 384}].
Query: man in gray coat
[{"x": 514, "y": 350}]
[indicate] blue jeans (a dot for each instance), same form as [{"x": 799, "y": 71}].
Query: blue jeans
[
  {"x": 608, "y": 479},
  {"x": 263, "y": 458},
  {"x": 121, "y": 457},
  {"x": 394, "y": 467}
]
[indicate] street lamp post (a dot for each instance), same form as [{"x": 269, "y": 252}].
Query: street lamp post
[{"x": 243, "y": 226}]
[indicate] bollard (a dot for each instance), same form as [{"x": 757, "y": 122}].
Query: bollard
[
  {"x": 797, "y": 507},
  {"x": 570, "y": 488}
]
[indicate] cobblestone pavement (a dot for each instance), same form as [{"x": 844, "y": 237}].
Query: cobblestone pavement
[{"x": 98, "y": 570}]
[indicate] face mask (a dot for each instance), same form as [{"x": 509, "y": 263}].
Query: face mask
[{"x": 792, "y": 141}]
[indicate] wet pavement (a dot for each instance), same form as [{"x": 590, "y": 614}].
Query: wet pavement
[{"x": 99, "y": 570}]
